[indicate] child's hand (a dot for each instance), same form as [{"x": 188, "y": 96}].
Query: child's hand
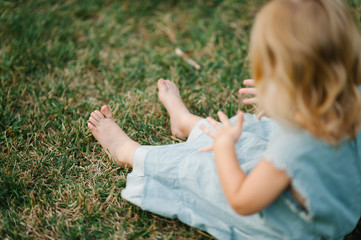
[
  {"x": 252, "y": 90},
  {"x": 226, "y": 133}
]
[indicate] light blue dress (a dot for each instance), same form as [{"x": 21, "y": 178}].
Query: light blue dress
[{"x": 178, "y": 181}]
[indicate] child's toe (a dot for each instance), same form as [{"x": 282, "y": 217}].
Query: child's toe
[
  {"x": 93, "y": 120},
  {"x": 161, "y": 82},
  {"x": 91, "y": 126},
  {"x": 95, "y": 116},
  {"x": 98, "y": 114},
  {"x": 105, "y": 110}
]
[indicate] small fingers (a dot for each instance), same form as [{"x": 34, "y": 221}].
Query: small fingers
[
  {"x": 206, "y": 149},
  {"x": 260, "y": 114},
  {"x": 250, "y": 100},
  {"x": 214, "y": 124},
  {"x": 247, "y": 91},
  {"x": 208, "y": 131},
  {"x": 240, "y": 118},
  {"x": 248, "y": 82},
  {"x": 223, "y": 118}
]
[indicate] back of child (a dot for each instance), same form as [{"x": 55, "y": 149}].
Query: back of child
[
  {"x": 306, "y": 57},
  {"x": 327, "y": 178},
  {"x": 306, "y": 62}
]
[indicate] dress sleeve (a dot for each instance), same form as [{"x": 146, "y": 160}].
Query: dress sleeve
[{"x": 287, "y": 145}]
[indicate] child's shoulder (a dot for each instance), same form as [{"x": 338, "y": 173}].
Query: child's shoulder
[
  {"x": 292, "y": 146},
  {"x": 292, "y": 142}
]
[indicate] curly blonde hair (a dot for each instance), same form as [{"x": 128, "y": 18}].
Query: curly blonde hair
[{"x": 306, "y": 61}]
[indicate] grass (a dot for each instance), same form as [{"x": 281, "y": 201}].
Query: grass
[{"x": 59, "y": 60}]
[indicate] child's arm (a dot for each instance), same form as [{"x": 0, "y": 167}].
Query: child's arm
[{"x": 247, "y": 194}]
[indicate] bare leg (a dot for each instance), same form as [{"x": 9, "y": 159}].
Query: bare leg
[
  {"x": 181, "y": 120},
  {"x": 112, "y": 138}
]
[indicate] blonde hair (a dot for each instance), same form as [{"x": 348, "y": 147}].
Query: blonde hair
[{"x": 306, "y": 61}]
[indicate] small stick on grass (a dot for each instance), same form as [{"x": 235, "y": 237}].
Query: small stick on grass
[{"x": 185, "y": 57}]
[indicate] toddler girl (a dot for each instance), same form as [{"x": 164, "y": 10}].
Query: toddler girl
[{"x": 297, "y": 176}]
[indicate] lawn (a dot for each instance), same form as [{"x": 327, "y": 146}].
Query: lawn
[{"x": 60, "y": 60}]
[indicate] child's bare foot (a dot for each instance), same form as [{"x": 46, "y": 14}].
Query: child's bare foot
[
  {"x": 112, "y": 138},
  {"x": 181, "y": 120}
]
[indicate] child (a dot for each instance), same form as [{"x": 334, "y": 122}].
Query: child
[{"x": 297, "y": 176}]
